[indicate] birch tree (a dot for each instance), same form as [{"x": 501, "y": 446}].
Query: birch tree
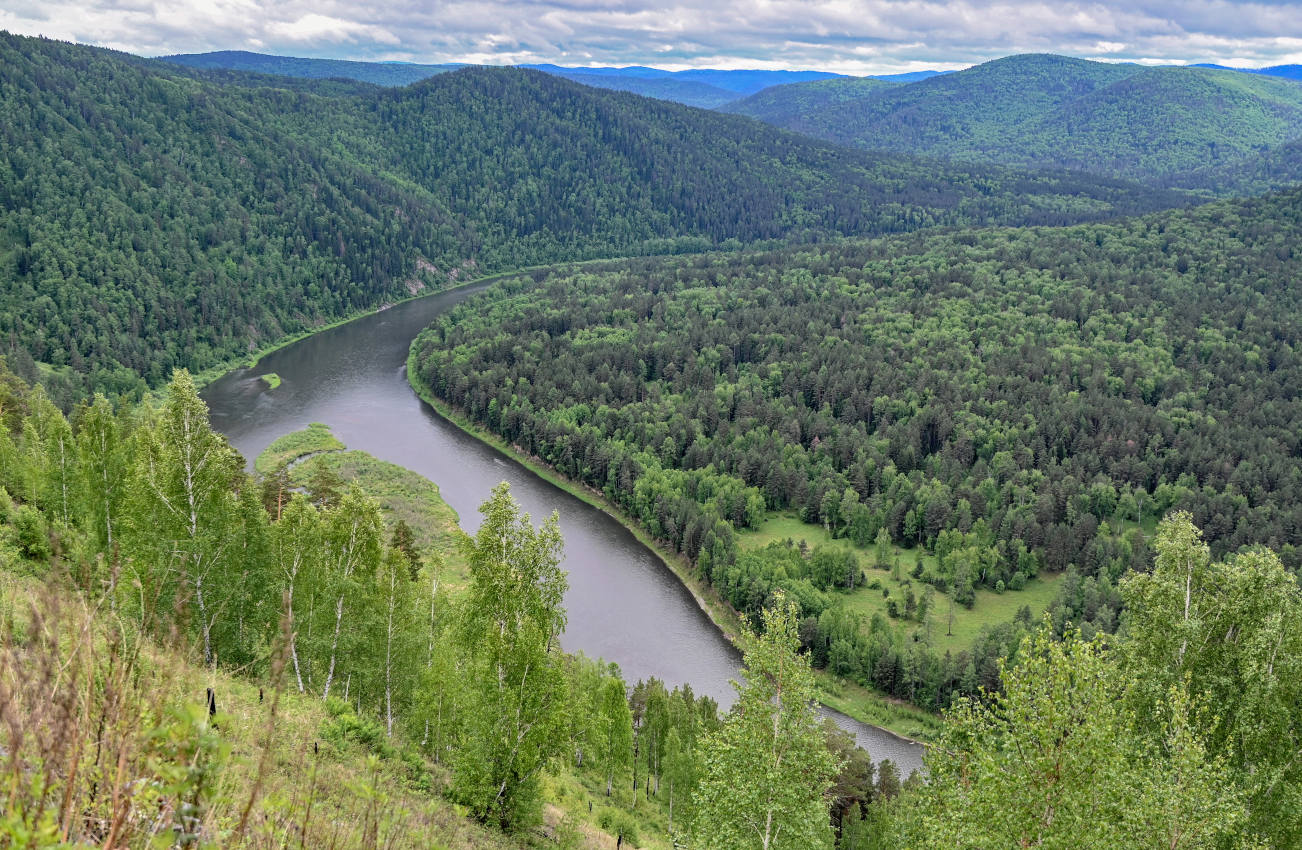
[
  {"x": 614, "y": 732},
  {"x": 184, "y": 506},
  {"x": 353, "y": 533},
  {"x": 767, "y": 771},
  {"x": 1231, "y": 630},
  {"x": 515, "y": 714},
  {"x": 398, "y": 635},
  {"x": 296, "y": 549},
  {"x": 104, "y": 460},
  {"x": 1057, "y": 761}
]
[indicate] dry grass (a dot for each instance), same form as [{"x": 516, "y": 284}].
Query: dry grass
[{"x": 106, "y": 741}]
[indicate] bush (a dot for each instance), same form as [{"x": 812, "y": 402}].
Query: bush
[
  {"x": 617, "y": 823},
  {"x": 31, "y": 535}
]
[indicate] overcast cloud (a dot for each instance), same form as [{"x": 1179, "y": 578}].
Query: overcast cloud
[{"x": 848, "y": 36}]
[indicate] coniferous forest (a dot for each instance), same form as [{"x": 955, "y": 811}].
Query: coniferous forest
[
  {"x": 984, "y": 421},
  {"x": 154, "y": 218}
]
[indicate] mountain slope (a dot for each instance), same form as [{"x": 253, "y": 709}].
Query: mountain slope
[
  {"x": 1277, "y": 168},
  {"x": 1052, "y": 111},
  {"x": 686, "y": 92},
  {"x": 789, "y": 106},
  {"x": 152, "y": 219},
  {"x": 1288, "y": 72}
]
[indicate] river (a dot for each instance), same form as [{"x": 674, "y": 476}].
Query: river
[{"x": 624, "y": 604}]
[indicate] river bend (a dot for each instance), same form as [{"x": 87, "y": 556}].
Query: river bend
[{"x": 624, "y": 604}]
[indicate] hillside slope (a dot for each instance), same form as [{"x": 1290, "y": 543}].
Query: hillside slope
[
  {"x": 209, "y": 218},
  {"x": 793, "y": 106},
  {"x": 705, "y": 88},
  {"x": 1053, "y": 111}
]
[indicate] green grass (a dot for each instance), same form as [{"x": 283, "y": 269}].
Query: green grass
[
  {"x": 271, "y": 379},
  {"x": 403, "y": 495},
  {"x": 990, "y": 608},
  {"x": 268, "y": 755},
  {"x": 289, "y": 448},
  {"x": 870, "y": 707}
]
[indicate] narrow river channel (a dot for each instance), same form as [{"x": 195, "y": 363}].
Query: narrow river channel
[{"x": 624, "y": 604}]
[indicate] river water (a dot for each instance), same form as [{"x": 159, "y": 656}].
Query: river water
[{"x": 624, "y": 604}]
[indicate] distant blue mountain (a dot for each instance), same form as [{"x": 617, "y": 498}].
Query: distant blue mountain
[
  {"x": 910, "y": 77},
  {"x": 740, "y": 83},
  {"x": 664, "y": 87},
  {"x": 705, "y": 88},
  {"x": 1288, "y": 72},
  {"x": 640, "y": 71}
]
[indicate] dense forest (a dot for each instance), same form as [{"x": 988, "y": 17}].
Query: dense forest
[
  {"x": 1011, "y": 401},
  {"x": 137, "y": 560},
  {"x": 1152, "y": 124},
  {"x": 151, "y": 217}
]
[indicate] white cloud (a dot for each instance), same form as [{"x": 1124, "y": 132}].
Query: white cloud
[
  {"x": 854, "y": 36},
  {"x": 317, "y": 29}
]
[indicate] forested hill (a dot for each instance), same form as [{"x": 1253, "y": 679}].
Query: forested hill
[
  {"x": 151, "y": 217},
  {"x": 1027, "y": 395},
  {"x": 795, "y": 106},
  {"x": 1055, "y": 111}
]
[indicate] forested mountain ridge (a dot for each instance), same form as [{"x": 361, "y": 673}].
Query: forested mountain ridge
[
  {"x": 794, "y": 106},
  {"x": 705, "y": 88},
  {"x": 151, "y": 217},
  {"x": 1053, "y": 111}
]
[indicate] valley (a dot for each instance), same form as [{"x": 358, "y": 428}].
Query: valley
[{"x": 585, "y": 454}]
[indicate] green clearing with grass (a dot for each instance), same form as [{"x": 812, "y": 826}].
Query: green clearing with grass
[
  {"x": 990, "y": 609},
  {"x": 283, "y": 451},
  {"x": 407, "y": 496},
  {"x": 402, "y": 494}
]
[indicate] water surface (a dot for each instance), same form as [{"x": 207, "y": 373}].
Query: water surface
[{"x": 624, "y": 604}]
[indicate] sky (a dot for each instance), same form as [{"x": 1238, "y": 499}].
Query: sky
[{"x": 844, "y": 36}]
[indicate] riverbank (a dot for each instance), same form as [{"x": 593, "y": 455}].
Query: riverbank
[
  {"x": 207, "y": 376},
  {"x": 901, "y": 720},
  {"x": 212, "y": 373}
]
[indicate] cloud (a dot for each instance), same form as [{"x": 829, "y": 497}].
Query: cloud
[
  {"x": 853, "y": 36},
  {"x": 322, "y": 29}
]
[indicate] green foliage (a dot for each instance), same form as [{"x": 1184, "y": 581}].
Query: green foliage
[
  {"x": 515, "y": 696},
  {"x": 767, "y": 770},
  {"x": 1231, "y": 632},
  {"x": 1057, "y": 761},
  {"x": 614, "y": 733},
  {"x": 1054, "y": 111},
  {"x": 182, "y": 521},
  {"x": 375, "y": 73},
  {"x": 794, "y": 106},
  {"x": 1012, "y": 401},
  {"x": 156, "y": 218}
]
